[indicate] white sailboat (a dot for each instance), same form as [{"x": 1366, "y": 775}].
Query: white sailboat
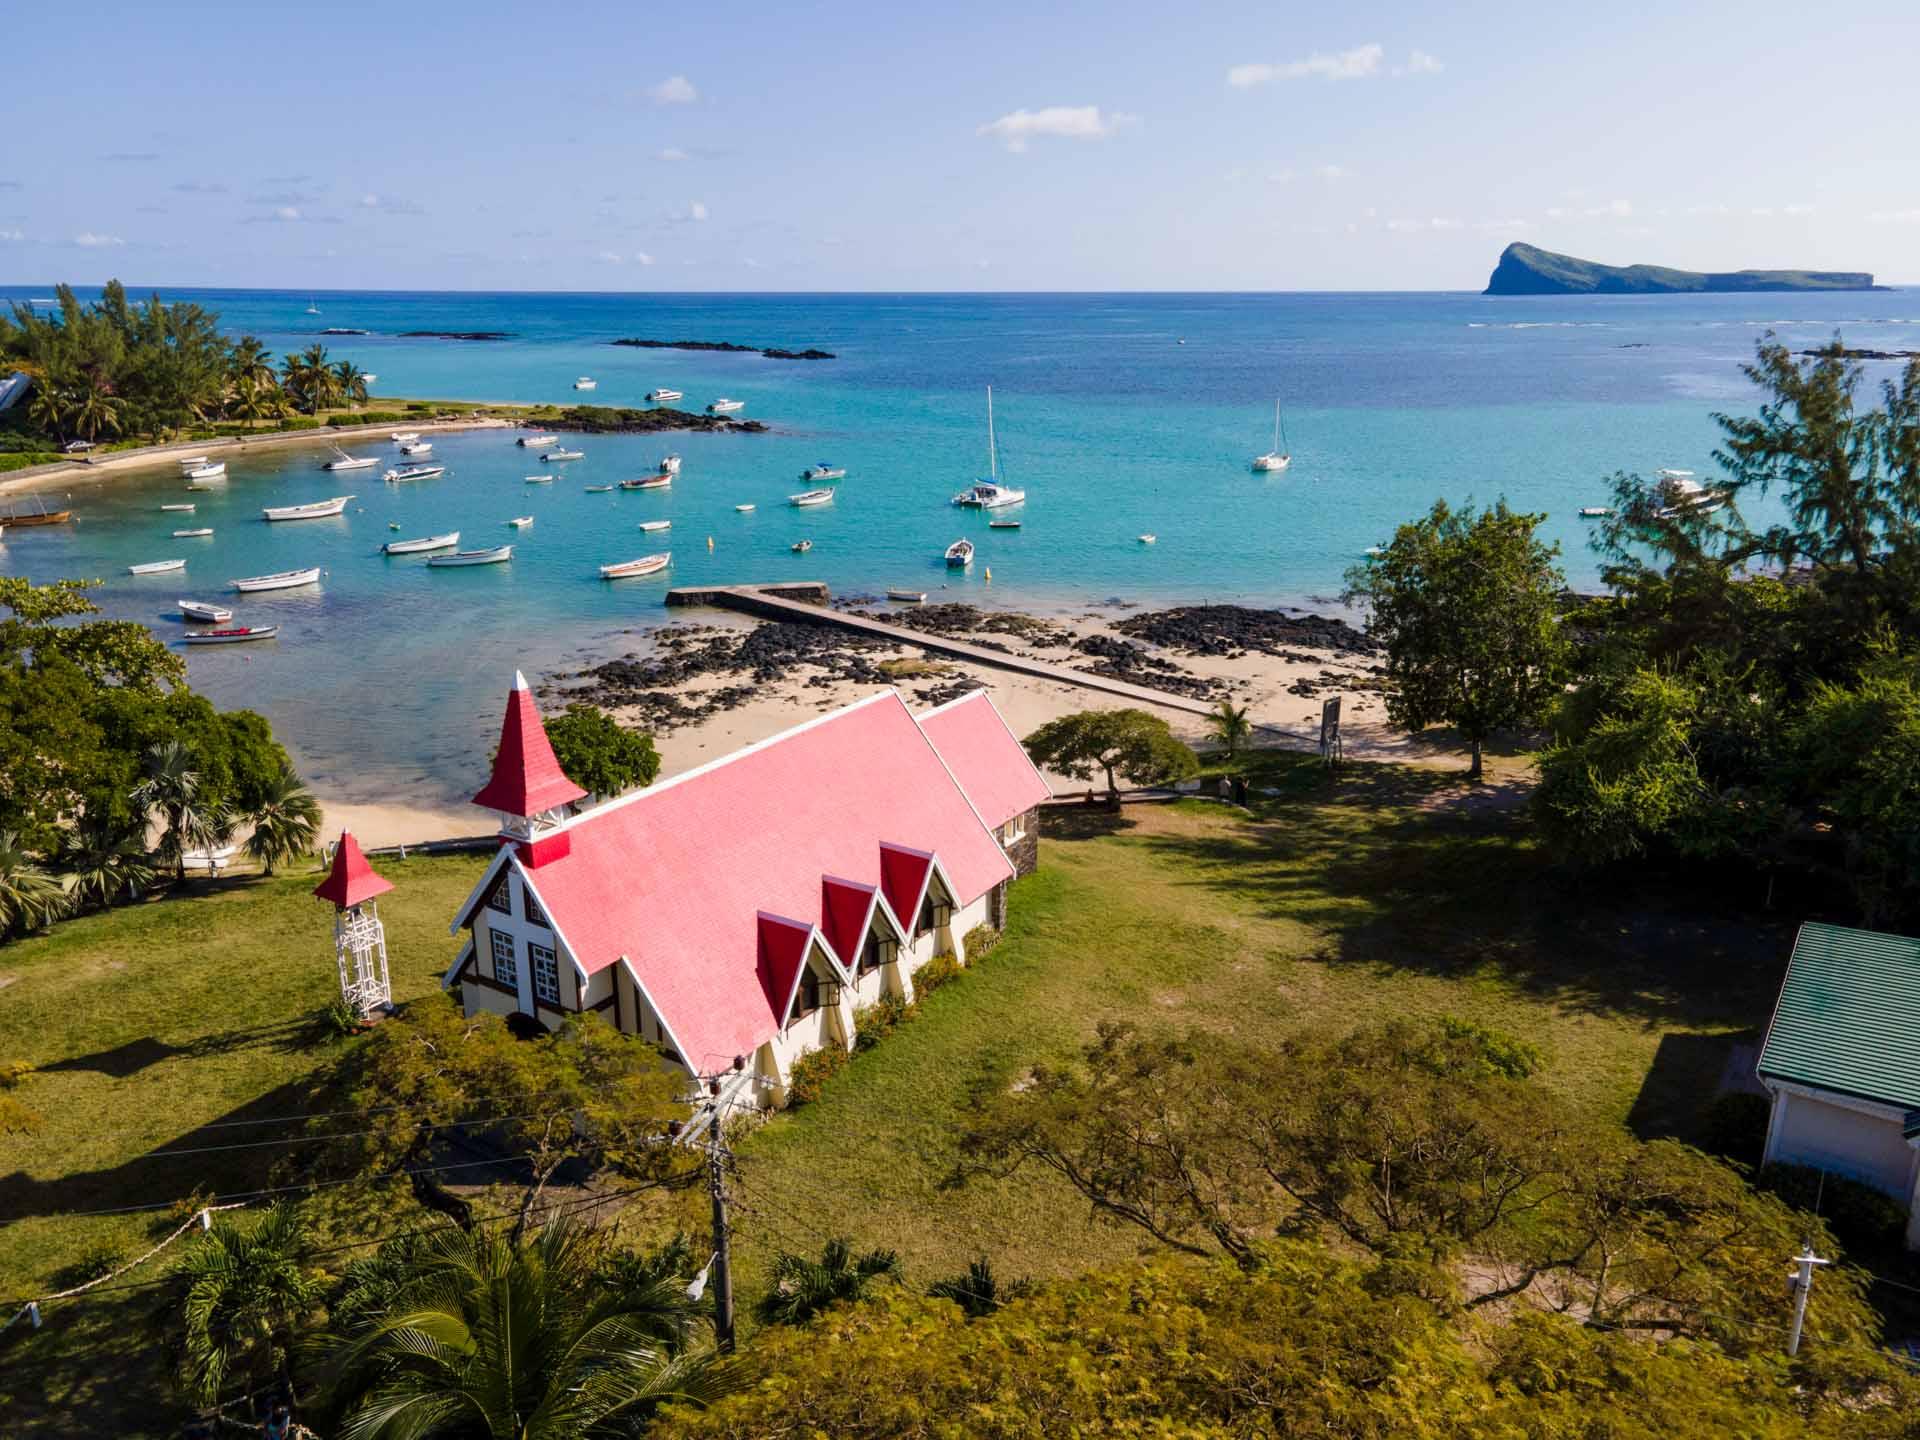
[
  {"x": 343, "y": 461},
  {"x": 1278, "y": 457},
  {"x": 990, "y": 494}
]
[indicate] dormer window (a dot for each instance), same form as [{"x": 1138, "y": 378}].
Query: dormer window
[
  {"x": 502, "y": 897},
  {"x": 923, "y": 922},
  {"x": 535, "y": 915},
  {"x": 872, "y": 955},
  {"x": 808, "y": 1000}
]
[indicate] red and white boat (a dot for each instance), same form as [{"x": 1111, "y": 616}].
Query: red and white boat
[
  {"x": 238, "y": 634},
  {"x": 645, "y": 565},
  {"x": 648, "y": 482}
]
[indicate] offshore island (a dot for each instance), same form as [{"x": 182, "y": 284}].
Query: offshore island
[{"x": 1529, "y": 270}]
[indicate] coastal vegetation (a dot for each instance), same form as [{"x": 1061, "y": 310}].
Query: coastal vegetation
[
  {"x": 1130, "y": 745},
  {"x": 599, "y": 754},
  {"x": 1528, "y": 270}
]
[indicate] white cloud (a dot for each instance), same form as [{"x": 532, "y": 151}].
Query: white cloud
[
  {"x": 92, "y": 240},
  {"x": 1318, "y": 172},
  {"x": 674, "y": 90},
  {"x": 200, "y": 187},
  {"x": 1332, "y": 172},
  {"x": 671, "y": 155},
  {"x": 1437, "y": 223},
  {"x": 608, "y": 257},
  {"x": 388, "y": 205},
  {"x": 641, "y": 257},
  {"x": 1420, "y": 63},
  {"x": 752, "y": 264},
  {"x": 1355, "y": 64},
  {"x": 1612, "y": 209},
  {"x": 1708, "y": 210},
  {"x": 1798, "y": 208},
  {"x": 287, "y": 212},
  {"x": 1065, "y": 122},
  {"x": 11, "y": 235},
  {"x": 1895, "y": 217},
  {"x": 695, "y": 212},
  {"x": 1501, "y": 225}
]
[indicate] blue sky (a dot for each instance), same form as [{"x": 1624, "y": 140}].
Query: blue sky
[{"x": 896, "y": 147}]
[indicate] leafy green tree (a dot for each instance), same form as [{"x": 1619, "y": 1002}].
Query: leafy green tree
[
  {"x": 1230, "y": 728},
  {"x": 488, "y": 1335},
  {"x": 285, "y": 821},
  {"x": 1464, "y": 602},
  {"x": 803, "y": 1287},
  {"x": 29, "y": 896},
  {"x": 104, "y": 861},
  {"x": 1121, "y": 744},
  {"x": 977, "y": 1290},
  {"x": 597, "y": 753},
  {"x": 245, "y": 1289}
]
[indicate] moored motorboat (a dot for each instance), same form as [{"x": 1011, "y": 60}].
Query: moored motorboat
[
  {"x": 496, "y": 555},
  {"x": 586, "y": 382},
  {"x": 724, "y": 406},
  {"x": 800, "y": 547},
  {"x": 193, "y": 462},
  {"x": 1003, "y": 524},
  {"x": 598, "y": 489},
  {"x": 156, "y": 567},
  {"x": 317, "y": 510},
  {"x": 520, "y": 522},
  {"x": 1594, "y": 512},
  {"x": 564, "y": 455},
  {"x": 669, "y": 464},
  {"x": 663, "y": 395},
  {"x": 343, "y": 461},
  {"x": 429, "y": 542},
  {"x": 651, "y": 525},
  {"x": 280, "y": 580},
  {"x": 213, "y": 471},
  {"x": 404, "y": 437},
  {"x": 199, "y": 534},
  {"x": 417, "y": 447},
  {"x": 960, "y": 554},
  {"x": 743, "y": 509},
  {"x": 647, "y": 482},
  {"x": 535, "y": 441},
  {"x": 1147, "y": 539},
  {"x": 908, "y": 597},
  {"x": 645, "y": 565},
  {"x": 187, "y": 507},
  {"x": 538, "y": 479},
  {"x": 823, "y": 470},
  {"x": 234, "y": 636},
  {"x": 404, "y": 473},
  {"x": 201, "y": 610},
  {"x": 810, "y": 497}
]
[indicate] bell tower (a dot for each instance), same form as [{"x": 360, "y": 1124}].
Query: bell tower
[
  {"x": 359, "y": 938},
  {"x": 528, "y": 790}
]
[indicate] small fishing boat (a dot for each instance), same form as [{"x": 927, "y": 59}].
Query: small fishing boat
[
  {"x": 743, "y": 509},
  {"x": 645, "y": 565},
  {"x": 724, "y": 406},
  {"x": 281, "y": 580},
  {"x": 193, "y": 462},
  {"x": 413, "y": 472},
  {"x": 404, "y": 437},
  {"x": 810, "y": 497},
  {"x": 520, "y": 522},
  {"x": 960, "y": 554},
  {"x": 39, "y": 516},
  {"x": 663, "y": 395},
  {"x": 156, "y": 567},
  {"x": 415, "y": 547},
  {"x": 317, "y": 510},
  {"x": 1594, "y": 512},
  {"x": 343, "y": 461},
  {"x": 651, "y": 525},
  {"x": 1003, "y": 524},
  {"x": 908, "y": 597},
  {"x": 201, "y": 610},
  {"x": 187, "y": 507},
  {"x": 598, "y": 489},
  {"x": 669, "y": 464},
  {"x": 237, "y": 635},
  {"x": 538, "y": 479},
  {"x": 800, "y": 547},
  {"x": 1147, "y": 539},
  {"x": 214, "y": 471},
  {"x": 497, "y": 555},
  {"x": 564, "y": 455},
  {"x": 533, "y": 441},
  {"x": 647, "y": 482},
  {"x": 193, "y": 534},
  {"x": 586, "y": 382},
  {"x": 417, "y": 447},
  {"x": 1278, "y": 458},
  {"x": 824, "y": 471}
]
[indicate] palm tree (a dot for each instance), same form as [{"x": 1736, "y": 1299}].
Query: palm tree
[
  {"x": 171, "y": 794},
  {"x": 256, "y": 399},
  {"x": 29, "y": 896},
  {"x": 103, "y": 861},
  {"x": 1230, "y": 728},
  {"x": 311, "y": 379},
  {"x": 95, "y": 408},
  {"x": 251, "y": 362},
  {"x": 352, "y": 381},
  {"x": 978, "y": 1292},
  {"x": 484, "y": 1336},
  {"x": 285, "y": 822},
  {"x": 802, "y": 1288},
  {"x": 51, "y": 407},
  {"x": 244, "y": 1291}
]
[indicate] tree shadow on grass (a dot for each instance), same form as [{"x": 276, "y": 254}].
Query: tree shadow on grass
[
  {"x": 129, "y": 1059},
  {"x": 1082, "y": 822}
]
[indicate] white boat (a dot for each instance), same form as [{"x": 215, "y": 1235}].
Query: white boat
[
  {"x": 235, "y": 636},
  {"x": 201, "y": 610},
  {"x": 724, "y": 406},
  {"x": 414, "y": 547},
  {"x": 1685, "y": 495},
  {"x": 669, "y": 464},
  {"x": 800, "y": 547},
  {"x": 645, "y": 565},
  {"x": 538, "y": 479},
  {"x": 193, "y": 534},
  {"x": 990, "y": 493},
  {"x": 663, "y": 395},
  {"x": 498, "y": 555},
  {"x": 908, "y": 597},
  {"x": 598, "y": 489},
  {"x": 208, "y": 472},
  {"x": 192, "y": 462},
  {"x": 312, "y": 309},
  {"x": 647, "y": 482},
  {"x": 743, "y": 509},
  {"x": 1594, "y": 512},
  {"x": 564, "y": 455},
  {"x": 368, "y": 377},
  {"x": 404, "y": 437},
  {"x": 417, "y": 447},
  {"x": 1278, "y": 457},
  {"x": 343, "y": 461},
  {"x": 531, "y": 441},
  {"x": 651, "y": 525},
  {"x": 187, "y": 507},
  {"x": 281, "y": 580},
  {"x": 960, "y": 554},
  {"x": 823, "y": 471},
  {"x": 317, "y": 510},
  {"x": 810, "y": 497},
  {"x": 1147, "y": 539},
  {"x": 586, "y": 382},
  {"x": 1003, "y": 524},
  {"x": 521, "y": 522},
  {"x": 405, "y": 473},
  {"x": 156, "y": 567}
]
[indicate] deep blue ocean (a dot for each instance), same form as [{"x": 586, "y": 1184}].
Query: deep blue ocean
[{"x": 1105, "y": 417}]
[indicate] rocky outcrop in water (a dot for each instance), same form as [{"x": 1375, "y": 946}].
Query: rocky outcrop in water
[
  {"x": 1529, "y": 270},
  {"x": 770, "y": 352},
  {"x": 1234, "y": 629},
  {"x": 614, "y": 420}
]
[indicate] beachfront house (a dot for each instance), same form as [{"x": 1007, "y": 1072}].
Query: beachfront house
[
  {"x": 1842, "y": 1061},
  {"x": 750, "y": 907}
]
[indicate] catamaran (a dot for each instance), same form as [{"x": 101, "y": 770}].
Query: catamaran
[
  {"x": 201, "y": 610},
  {"x": 960, "y": 554},
  {"x": 413, "y": 472},
  {"x": 663, "y": 395},
  {"x": 343, "y": 461},
  {"x": 317, "y": 510},
  {"x": 810, "y": 497},
  {"x": 281, "y": 580},
  {"x": 724, "y": 406},
  {"x": 1278, "y": 457},
  {"x": 156, "y": 567},
  {"x": 414, "y": 547},
  {"x": 645, "y": 565},
  {"x": 990, "y": 494},
  {"x": 497, "y": 555}
]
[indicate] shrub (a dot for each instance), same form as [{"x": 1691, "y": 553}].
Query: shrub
[
  {"x": 873, "y": 1023},
  {"x": 1505, "y": 1055},
  {"x": 1735, "y": 1127},
  {"x": 935, "y": 973},
  {"x": 339, "y": 1019},
  {"x": 300, "y": 422},
  {"x": 415, "y": 407},
  {"x": 979, "y": 941},
  {"x": 1861, "y": 1218},
  {"x": 810, "y": 1073}
]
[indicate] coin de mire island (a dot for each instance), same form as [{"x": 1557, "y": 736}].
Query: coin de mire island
[{"x": 747, "y": 909}]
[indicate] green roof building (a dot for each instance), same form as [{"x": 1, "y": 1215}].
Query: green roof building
[{"x": 1842, "y": 1061}]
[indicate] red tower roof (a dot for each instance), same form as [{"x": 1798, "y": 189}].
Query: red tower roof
[
  {"x": 352, "y": 879},
  {"x": 526, "y": 778}
]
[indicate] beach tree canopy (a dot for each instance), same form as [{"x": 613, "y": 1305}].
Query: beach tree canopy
[
  {"x": 1464, "y": 601},
  {"x": 1120, "y": 744},
  {"x": 597, "y": 753}
]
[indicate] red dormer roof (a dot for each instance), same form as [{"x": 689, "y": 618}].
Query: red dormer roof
[
  {"x": 782, "y": 955},
  {"x": 352, "y": 879},
  {"x": 845, "y": 906},
  {"x": 990, "y": 764},
  {"x": 527, "y": 780}
]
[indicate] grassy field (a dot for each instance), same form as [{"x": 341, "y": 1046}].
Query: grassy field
[{"x": 1386, "y": 891}]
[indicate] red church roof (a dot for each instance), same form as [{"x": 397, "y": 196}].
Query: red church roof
[
  {"x": 526, "y": 778},
  {"x": 990, "y": 764},
  {"x": 708, "y": 883},
  {"x": 351, "y": 879}
]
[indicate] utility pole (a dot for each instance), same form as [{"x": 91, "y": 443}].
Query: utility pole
[
  {"x": 1800, "y": 1284},
  {"x": 723, "y": 1092}
]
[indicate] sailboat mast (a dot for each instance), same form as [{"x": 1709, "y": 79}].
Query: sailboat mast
[{"x": 993, "y": 454}]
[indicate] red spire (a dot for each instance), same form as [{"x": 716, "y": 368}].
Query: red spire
[
  {"x": 352, "y": 879},
  {"x": 526, "y": 778}
]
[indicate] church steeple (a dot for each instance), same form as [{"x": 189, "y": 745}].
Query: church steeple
[{"x": 528, "y": 787}]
